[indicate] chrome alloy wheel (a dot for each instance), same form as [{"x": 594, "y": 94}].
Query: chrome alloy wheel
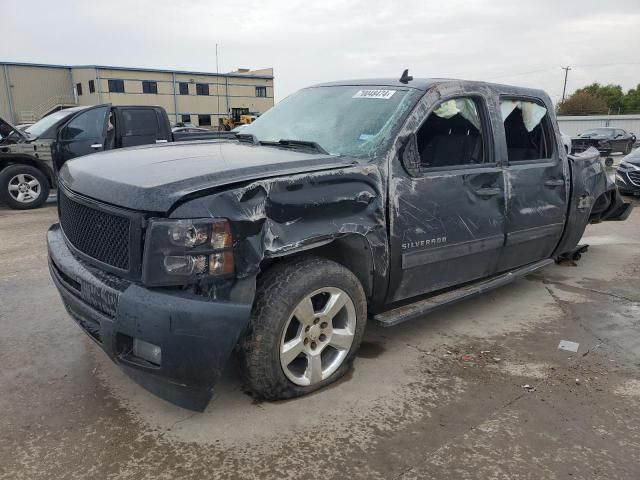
[
  {"x": 318, "y": 336},
  {"x": 24, "y": 188}
]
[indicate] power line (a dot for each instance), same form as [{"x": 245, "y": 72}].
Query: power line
[
  {"x": 520, "y": 74},
  {"x": 617, "y": 64}
]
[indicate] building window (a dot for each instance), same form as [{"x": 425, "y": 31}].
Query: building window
[
  {"x": 116, "y": 86},
  {"x": 204, "y": 120},
  {"x": 149, "y": 86},
  {"x": 261, "y": 91},
  {"x": 92, "y": 86},
  {"x": 202, "y": 89},
  {"x": 184, "y": 88},
  {"x": 185, "y": 118},
  {"x": 79, "y": 89}
]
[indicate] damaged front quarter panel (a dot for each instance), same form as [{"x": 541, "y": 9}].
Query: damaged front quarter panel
[{"x": 297, "y": 213}]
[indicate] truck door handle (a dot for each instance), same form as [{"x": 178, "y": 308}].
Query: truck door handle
[
  {"x": 161, "y": 141},
  {"x": 488, "y": 191},
  {"x": 96, "y": 145},
  {"x": 554, "y": 183}
]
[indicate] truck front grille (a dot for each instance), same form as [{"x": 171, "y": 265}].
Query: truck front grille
[
  {"x": 99, "y": 234},
  {"x": 634, "y": 177}
]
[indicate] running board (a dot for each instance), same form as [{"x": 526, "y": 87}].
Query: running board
[{"x": 422, "y": 307}]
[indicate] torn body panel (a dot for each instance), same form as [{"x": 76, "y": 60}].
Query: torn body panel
[
  {"x": 277, "y": 217},
  {"x": 594, "y": 198}
]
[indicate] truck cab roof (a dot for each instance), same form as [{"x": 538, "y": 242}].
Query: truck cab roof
[{"x": 425, "y": 84}]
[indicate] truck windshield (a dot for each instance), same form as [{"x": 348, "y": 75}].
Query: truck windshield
[
  {"x": 45, "y": 123},
  {"x": 343, "y": 120}
]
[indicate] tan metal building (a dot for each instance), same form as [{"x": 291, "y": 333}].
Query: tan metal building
[{"x": 30, "y": 91}]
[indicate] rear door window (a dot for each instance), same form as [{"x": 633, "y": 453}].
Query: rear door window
[
  {"x": 140, "y": 126},
  {"x": 140, "y": 121},
  {"x": 527, "y": 130}
]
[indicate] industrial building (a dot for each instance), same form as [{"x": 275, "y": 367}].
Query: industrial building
[{"x": 30, "y": 91}]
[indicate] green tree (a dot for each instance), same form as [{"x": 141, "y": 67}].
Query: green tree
[
  {"x": 611, "y": 94},
  {"x": 631, "y": 101},
  {"x": 583, "y": 103}
]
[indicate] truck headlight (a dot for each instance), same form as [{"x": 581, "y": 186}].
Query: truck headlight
[{"x": 178, "y": 252}]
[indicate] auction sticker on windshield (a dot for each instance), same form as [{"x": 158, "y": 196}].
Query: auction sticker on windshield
[{"x": 383, "y": 94}]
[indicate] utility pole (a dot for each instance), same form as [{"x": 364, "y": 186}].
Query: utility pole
[
  {"x": 217, "y": 89},
  {"x": 566, "y": 72}
]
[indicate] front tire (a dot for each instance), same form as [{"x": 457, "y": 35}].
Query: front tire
[
  {"x": 306, "y": 325},
  {"x": 23, "y": 187}
]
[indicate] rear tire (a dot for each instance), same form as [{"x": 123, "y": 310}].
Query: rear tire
[
  {"x": 302, "y": 336},
  {"x": 23, "y": 187},
  {"x": 628, "y": 148}
]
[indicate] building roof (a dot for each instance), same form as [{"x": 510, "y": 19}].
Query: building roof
[{"x": 139, "y": 69}]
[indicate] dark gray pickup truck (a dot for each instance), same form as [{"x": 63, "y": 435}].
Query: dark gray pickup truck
[
  {"x": 31, "y": 159},
  {"x": 347, "y": 202}
]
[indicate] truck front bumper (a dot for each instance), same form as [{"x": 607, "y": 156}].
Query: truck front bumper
[{"x": 195, "y": 335}]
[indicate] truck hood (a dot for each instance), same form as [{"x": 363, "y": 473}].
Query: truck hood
[
  {"x": 633, "y": 158},
  {"x": 6, "y": 128},
  {"x": 152, "y": 178},
  {"x": 592, "y": 137}
]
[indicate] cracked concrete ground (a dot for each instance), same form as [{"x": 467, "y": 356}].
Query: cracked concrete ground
[{"x": 441, "y": 397}]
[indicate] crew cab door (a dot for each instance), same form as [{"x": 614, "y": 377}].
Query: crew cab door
[
  {"x": 446, "y": 198},
  {"x": 83, "y": 134},
  {"x": 141, "y": 126},
  {"x": 536, "y": 175},
  {"x": 621, "y": 140}
]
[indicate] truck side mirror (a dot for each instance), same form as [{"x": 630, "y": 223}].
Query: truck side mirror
[{"x": 410, "y": 155}]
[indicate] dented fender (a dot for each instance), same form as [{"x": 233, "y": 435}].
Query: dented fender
[{"x": 286, "y": 215}]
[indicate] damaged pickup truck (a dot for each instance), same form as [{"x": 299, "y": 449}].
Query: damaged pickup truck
[{"x": 350, "y": 201}]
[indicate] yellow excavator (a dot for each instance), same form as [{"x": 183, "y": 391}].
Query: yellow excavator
[{"x": 230, "y": 124}]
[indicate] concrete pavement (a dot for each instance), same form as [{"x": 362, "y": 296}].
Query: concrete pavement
[{"x": 415, "y": 406}]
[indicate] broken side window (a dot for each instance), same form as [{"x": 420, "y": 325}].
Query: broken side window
[
  {"x": 526, "y": 130},
  {"x": 452, "y": 135}
]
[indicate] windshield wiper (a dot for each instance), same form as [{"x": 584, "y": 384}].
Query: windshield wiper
[
  {"x": 296, "y": 145},
  {"x": 247, "y": 137}
]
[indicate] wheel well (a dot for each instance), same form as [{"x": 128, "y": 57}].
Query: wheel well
[
  {"x": 352, "y": 252},
  {"x": 599, "y": 206},
  {"x": 5, "y": 162}
]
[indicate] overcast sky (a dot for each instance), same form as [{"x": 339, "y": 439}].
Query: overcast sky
[{"x": 517, "y": 42}]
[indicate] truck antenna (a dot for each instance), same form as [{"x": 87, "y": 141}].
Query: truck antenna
[{"x": 405, "y": 77}]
